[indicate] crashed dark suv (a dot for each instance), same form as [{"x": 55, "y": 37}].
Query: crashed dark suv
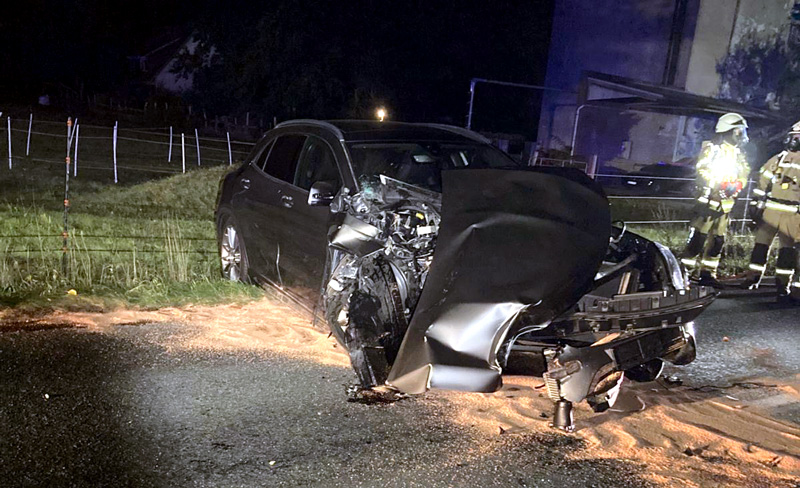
[{"x": 437, "y": 261}]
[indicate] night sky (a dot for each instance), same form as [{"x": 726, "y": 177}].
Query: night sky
[{"x": 289, "y": 59}]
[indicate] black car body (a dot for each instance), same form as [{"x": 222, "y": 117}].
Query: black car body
[{"x": 436, "y": 260}]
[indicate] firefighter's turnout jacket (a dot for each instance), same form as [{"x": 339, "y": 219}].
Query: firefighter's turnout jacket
[
  {"x": 778, "y": 196},
  {"x": 722, "y": 173}
]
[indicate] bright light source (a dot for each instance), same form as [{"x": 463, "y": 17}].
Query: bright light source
[{"x": 381, "y": 114}]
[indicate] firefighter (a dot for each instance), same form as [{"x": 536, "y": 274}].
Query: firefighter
[
  {"x": 722, "y": 172},
  {"x": 778, "y": 213}
]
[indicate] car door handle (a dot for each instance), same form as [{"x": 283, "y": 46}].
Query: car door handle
[
  {"x": 287, "y": 201},
  {"x": 245, "y": 182}
]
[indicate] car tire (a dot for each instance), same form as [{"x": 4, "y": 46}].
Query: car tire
[
  {"x": 234, "y": 265},
  {"x": 374, "y": 323}
]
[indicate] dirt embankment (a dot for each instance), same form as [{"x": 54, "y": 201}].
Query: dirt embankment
[{"x": 681, "y": 436}]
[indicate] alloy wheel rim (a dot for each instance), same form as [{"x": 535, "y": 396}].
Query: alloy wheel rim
[{"x": 231, "y": 254}]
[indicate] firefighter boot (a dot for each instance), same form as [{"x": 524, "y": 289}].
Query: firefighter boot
[
  {"x": 689, "y": 256},
  {"x": 758, "y": 264},
  {"x": 784, "y": 270},
  {"x": 710, "y": 261},
  {"x": 795, "y": 288}
]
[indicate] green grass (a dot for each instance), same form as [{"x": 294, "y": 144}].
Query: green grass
[{"x": 149, "y": 244}]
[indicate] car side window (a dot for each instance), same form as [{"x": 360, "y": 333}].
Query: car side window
[
  {"x": 282, "y": 159},
  {"x": 261, "y": 158},
  {"x": 317, "y": 163}
]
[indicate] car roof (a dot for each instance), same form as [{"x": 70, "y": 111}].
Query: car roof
[{"x": 376, "y": 131}]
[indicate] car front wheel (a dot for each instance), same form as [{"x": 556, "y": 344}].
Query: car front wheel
[{"x": 233, "y": 258}]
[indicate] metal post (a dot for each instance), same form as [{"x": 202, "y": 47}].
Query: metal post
[
  {"x": 30, "y": 126},
  {"x": 9, "y": 142},
  {"x": 169, "y": 156},
  {"x": 116, "y": 125},
  {"x": 197, "y": 141},
  {"x": 65, "y": 232},
  {"x": 575, "y": 131},
  {"x": 75, "y": 157},
  {"x": 183, "y": 151},
  {"x": 471, "y": 101},
  {"x": 746, "y": 206},
  {"x": 474, "y": 81},
  {"x": 230, "y": 155},
  {"x": 591, "y": 168}
]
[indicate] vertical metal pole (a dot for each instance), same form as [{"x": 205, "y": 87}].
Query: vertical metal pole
[
  {"x": 183, "y": 151},
  {"x": 65, "y": 232},
  {"x": 197, "y": 141},
  {"x": 30, "y": 126},
  {"x": 116, "y": 126},
  {"x": 75, "y": 157},
  {"x": 575, "y": 131},
  {"x": 471, "y": 101},
  {"x": 169, "y": 156},
  {"x": 230, "y": 156},
  {"x": 9, "y": 143},
  {"x": 746, "y": 205}
]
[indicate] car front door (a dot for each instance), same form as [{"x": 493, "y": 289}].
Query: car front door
[
  {"x": 265, "y": 205},
  {"x": 304, "y": 246}
]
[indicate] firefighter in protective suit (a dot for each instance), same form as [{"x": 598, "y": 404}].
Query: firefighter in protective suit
[
  {"x": 722, "y": 172},
  {"x": 778, "y": 213}
]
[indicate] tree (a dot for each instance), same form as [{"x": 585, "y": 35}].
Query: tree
[
  {"x": 342, "y": 59},
  {"x": 763, "y": 71}
]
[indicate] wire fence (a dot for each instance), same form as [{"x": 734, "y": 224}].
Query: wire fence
[
  {"x": 159, "y": 150},
  {"x": 45, "y": 162}
]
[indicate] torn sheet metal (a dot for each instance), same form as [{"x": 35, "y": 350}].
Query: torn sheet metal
[{"x": 510, "y": 242}]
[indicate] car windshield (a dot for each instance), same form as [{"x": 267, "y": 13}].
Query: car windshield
[{"x": 421, "y": 163}]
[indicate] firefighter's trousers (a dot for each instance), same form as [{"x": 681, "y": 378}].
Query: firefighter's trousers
[
  {"x": 786, "y": 225},
  {"x": 704, "y": 246}
]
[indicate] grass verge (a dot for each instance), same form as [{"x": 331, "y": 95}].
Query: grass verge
[{"x": 146, "y": 245}]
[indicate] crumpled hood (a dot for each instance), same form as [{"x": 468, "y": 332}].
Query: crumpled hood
[{"x": 511, "y": 242}]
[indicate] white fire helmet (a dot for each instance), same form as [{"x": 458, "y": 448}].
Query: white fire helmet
[
  {"x": 736, "y": 124},
  {"x": 729, "y": 122}
]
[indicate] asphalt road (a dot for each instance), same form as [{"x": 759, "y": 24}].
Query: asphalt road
[
  {"x": 743, "y": 338},
  {"x": 120, "y": 408}
]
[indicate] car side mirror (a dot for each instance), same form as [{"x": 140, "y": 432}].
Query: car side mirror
[{"x": 321, "y": 193}]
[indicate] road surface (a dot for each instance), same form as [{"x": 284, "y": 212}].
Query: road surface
[{"x": 128, "y": 406}]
